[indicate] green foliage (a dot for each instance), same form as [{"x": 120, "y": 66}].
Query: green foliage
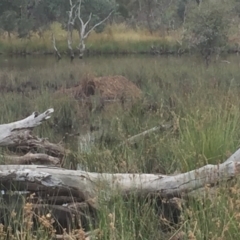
[
  {"x": 207, "y": 28},
  {"x": 181, "y": 9},
  {"x": 8, "y": 21},
  {"x": 30, "y": 16},
  {"x": 24, "y": 27}
]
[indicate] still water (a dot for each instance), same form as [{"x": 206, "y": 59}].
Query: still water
[{"x": 40, "y": 61}]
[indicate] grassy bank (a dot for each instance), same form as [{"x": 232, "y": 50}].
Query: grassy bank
[
  {"x": 202, "y": 104},
  {"x": 115, "y": 39}
]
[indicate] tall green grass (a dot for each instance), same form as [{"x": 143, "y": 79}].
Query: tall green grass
[{"x": 202, "y": 105}]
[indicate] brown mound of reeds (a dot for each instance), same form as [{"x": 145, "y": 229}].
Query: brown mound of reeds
[{"x": 107, "y": 88}]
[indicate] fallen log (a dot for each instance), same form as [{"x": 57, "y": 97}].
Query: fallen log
[
  {"x": 35, "y": 143},
  {"x": 17, "y": 135},
  {"x": 13, "y": 133},
  {"x": 90, "y": 185}
]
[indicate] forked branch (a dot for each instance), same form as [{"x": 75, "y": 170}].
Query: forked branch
[
  {"x": 73, "y": 14},
  {"x": 11, "y": 133},
  {"x": 55, "y": 48},
  {"x": 82, "y": 28},
  {"x": 99, "y": 23}
]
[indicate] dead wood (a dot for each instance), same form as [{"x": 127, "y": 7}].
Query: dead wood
[
  {"x": 17, "y": 136},
  {"x": 134, "y": 138},
  {"x": 11, "y": 134},
  {"x": 58, "y": 55},
  {"x": 89, "y": 185},
  {"x": 31, "y": 142},
  {"x": 30, "y": 158}
]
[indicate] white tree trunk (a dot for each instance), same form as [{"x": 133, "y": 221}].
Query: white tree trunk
[
  {"x": 18, "y": 134},
  {"x": 12, "y": 133},
  {"x": 90, "y": 185},
  {"x": 55, "y": 48}
]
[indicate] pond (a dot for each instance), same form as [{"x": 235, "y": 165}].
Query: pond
[
  {"x": 40, "y": 61},
  {"x": 26, "y": 62}
]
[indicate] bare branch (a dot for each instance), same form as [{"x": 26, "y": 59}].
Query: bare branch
[
  {"x": 83, "y": 26},
  {"x": 8, "y": 132},
  {"x": 18, "y": 135},
  {"x": 142, "y": 134},
  {"x": 86, "y": 35},
  {"x": 55, "y": 47}
]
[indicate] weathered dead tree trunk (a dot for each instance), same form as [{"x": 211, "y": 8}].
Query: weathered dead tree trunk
[
  {"x": 71, "y": 22},
  {"x": 18, "y": 135},
  {"x": 57, "y": 53},
  {"x": 73, "y": 14},
  {"x": 90, "y": 185},
  {"x": 12, "y": 134},
  {"x": 83, "y": 35}
]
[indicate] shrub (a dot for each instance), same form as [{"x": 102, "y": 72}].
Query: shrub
[{"x": 207, "y": 28}]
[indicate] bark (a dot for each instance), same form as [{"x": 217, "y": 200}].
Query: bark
[
  {"x": 30, "y": 158},
  {"x": 83, "y": 35},
  {"x": 30, "y": 142},
  {"x": 55, "y": 48},
  {"x": 71, "y": 22},
  {"x": 90, "y": 185},
  {"x": 11, "y": 134},
  {"x": 18, "y": 135}
]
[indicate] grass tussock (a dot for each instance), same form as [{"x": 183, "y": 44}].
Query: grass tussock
[{"x": 201, "y": 104}]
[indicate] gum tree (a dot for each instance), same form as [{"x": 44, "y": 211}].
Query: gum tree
[
  {"x": 207, "y": 28},
  {"x": 83, "y": 15},
  {"x": 8, "y": 21}
]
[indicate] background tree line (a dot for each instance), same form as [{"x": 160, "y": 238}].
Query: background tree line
[
  {"x": 26, "y": 16},
  {"x": 204, "y": 24}
]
